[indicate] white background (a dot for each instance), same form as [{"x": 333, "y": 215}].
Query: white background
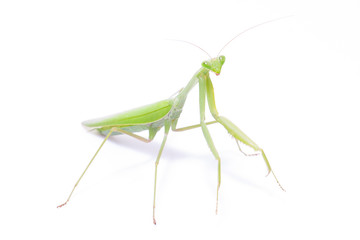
[{"x": 291, "y": 85}]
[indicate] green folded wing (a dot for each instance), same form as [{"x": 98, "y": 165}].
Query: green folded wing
[{"x": 138, "y": 116}]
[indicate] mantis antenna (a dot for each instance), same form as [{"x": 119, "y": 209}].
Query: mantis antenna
[
  {"x": 250, "y": 28},
  {"x": 191, "y": 44}
]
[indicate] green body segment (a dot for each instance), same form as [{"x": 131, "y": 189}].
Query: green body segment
[{"x": 135, "y": 120}]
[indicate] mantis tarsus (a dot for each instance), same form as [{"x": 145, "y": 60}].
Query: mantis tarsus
[{"x": 166, "y": 113}]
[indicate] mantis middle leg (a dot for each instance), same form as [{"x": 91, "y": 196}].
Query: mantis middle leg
[
  {"x": 173, "y": 127},
  {"x": 167, "y": 128}
]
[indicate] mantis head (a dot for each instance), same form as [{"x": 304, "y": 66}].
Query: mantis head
[{"x": 214, "y": 64}]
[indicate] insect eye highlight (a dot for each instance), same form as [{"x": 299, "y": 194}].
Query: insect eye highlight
[
  {"x": 222, "y": 59},
  {"x": 205, "y": 64}
]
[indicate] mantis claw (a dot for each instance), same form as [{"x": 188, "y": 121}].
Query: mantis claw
[
  {"x": 246, "y": 154},
  {"x": 61, "y": 205}
]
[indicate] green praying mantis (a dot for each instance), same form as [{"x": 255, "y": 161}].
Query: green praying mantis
[{"x": 166, "y": 114}]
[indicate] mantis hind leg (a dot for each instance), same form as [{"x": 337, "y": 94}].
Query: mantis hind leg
[
  {"x": 233, "y": 129},
  {"x": 113, "y": 129},
  {"x": 92, "y": 159}
]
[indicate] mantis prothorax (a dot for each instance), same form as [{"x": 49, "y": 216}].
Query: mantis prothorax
[{"x": 166, "y": 113}]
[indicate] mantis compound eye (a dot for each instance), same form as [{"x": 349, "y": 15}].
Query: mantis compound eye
[
  {"x": 205, "y": 64},
  {"x": 222, "y": 59}
]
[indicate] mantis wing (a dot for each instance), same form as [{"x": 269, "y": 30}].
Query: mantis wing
[{"x": 138, "y": 116}]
